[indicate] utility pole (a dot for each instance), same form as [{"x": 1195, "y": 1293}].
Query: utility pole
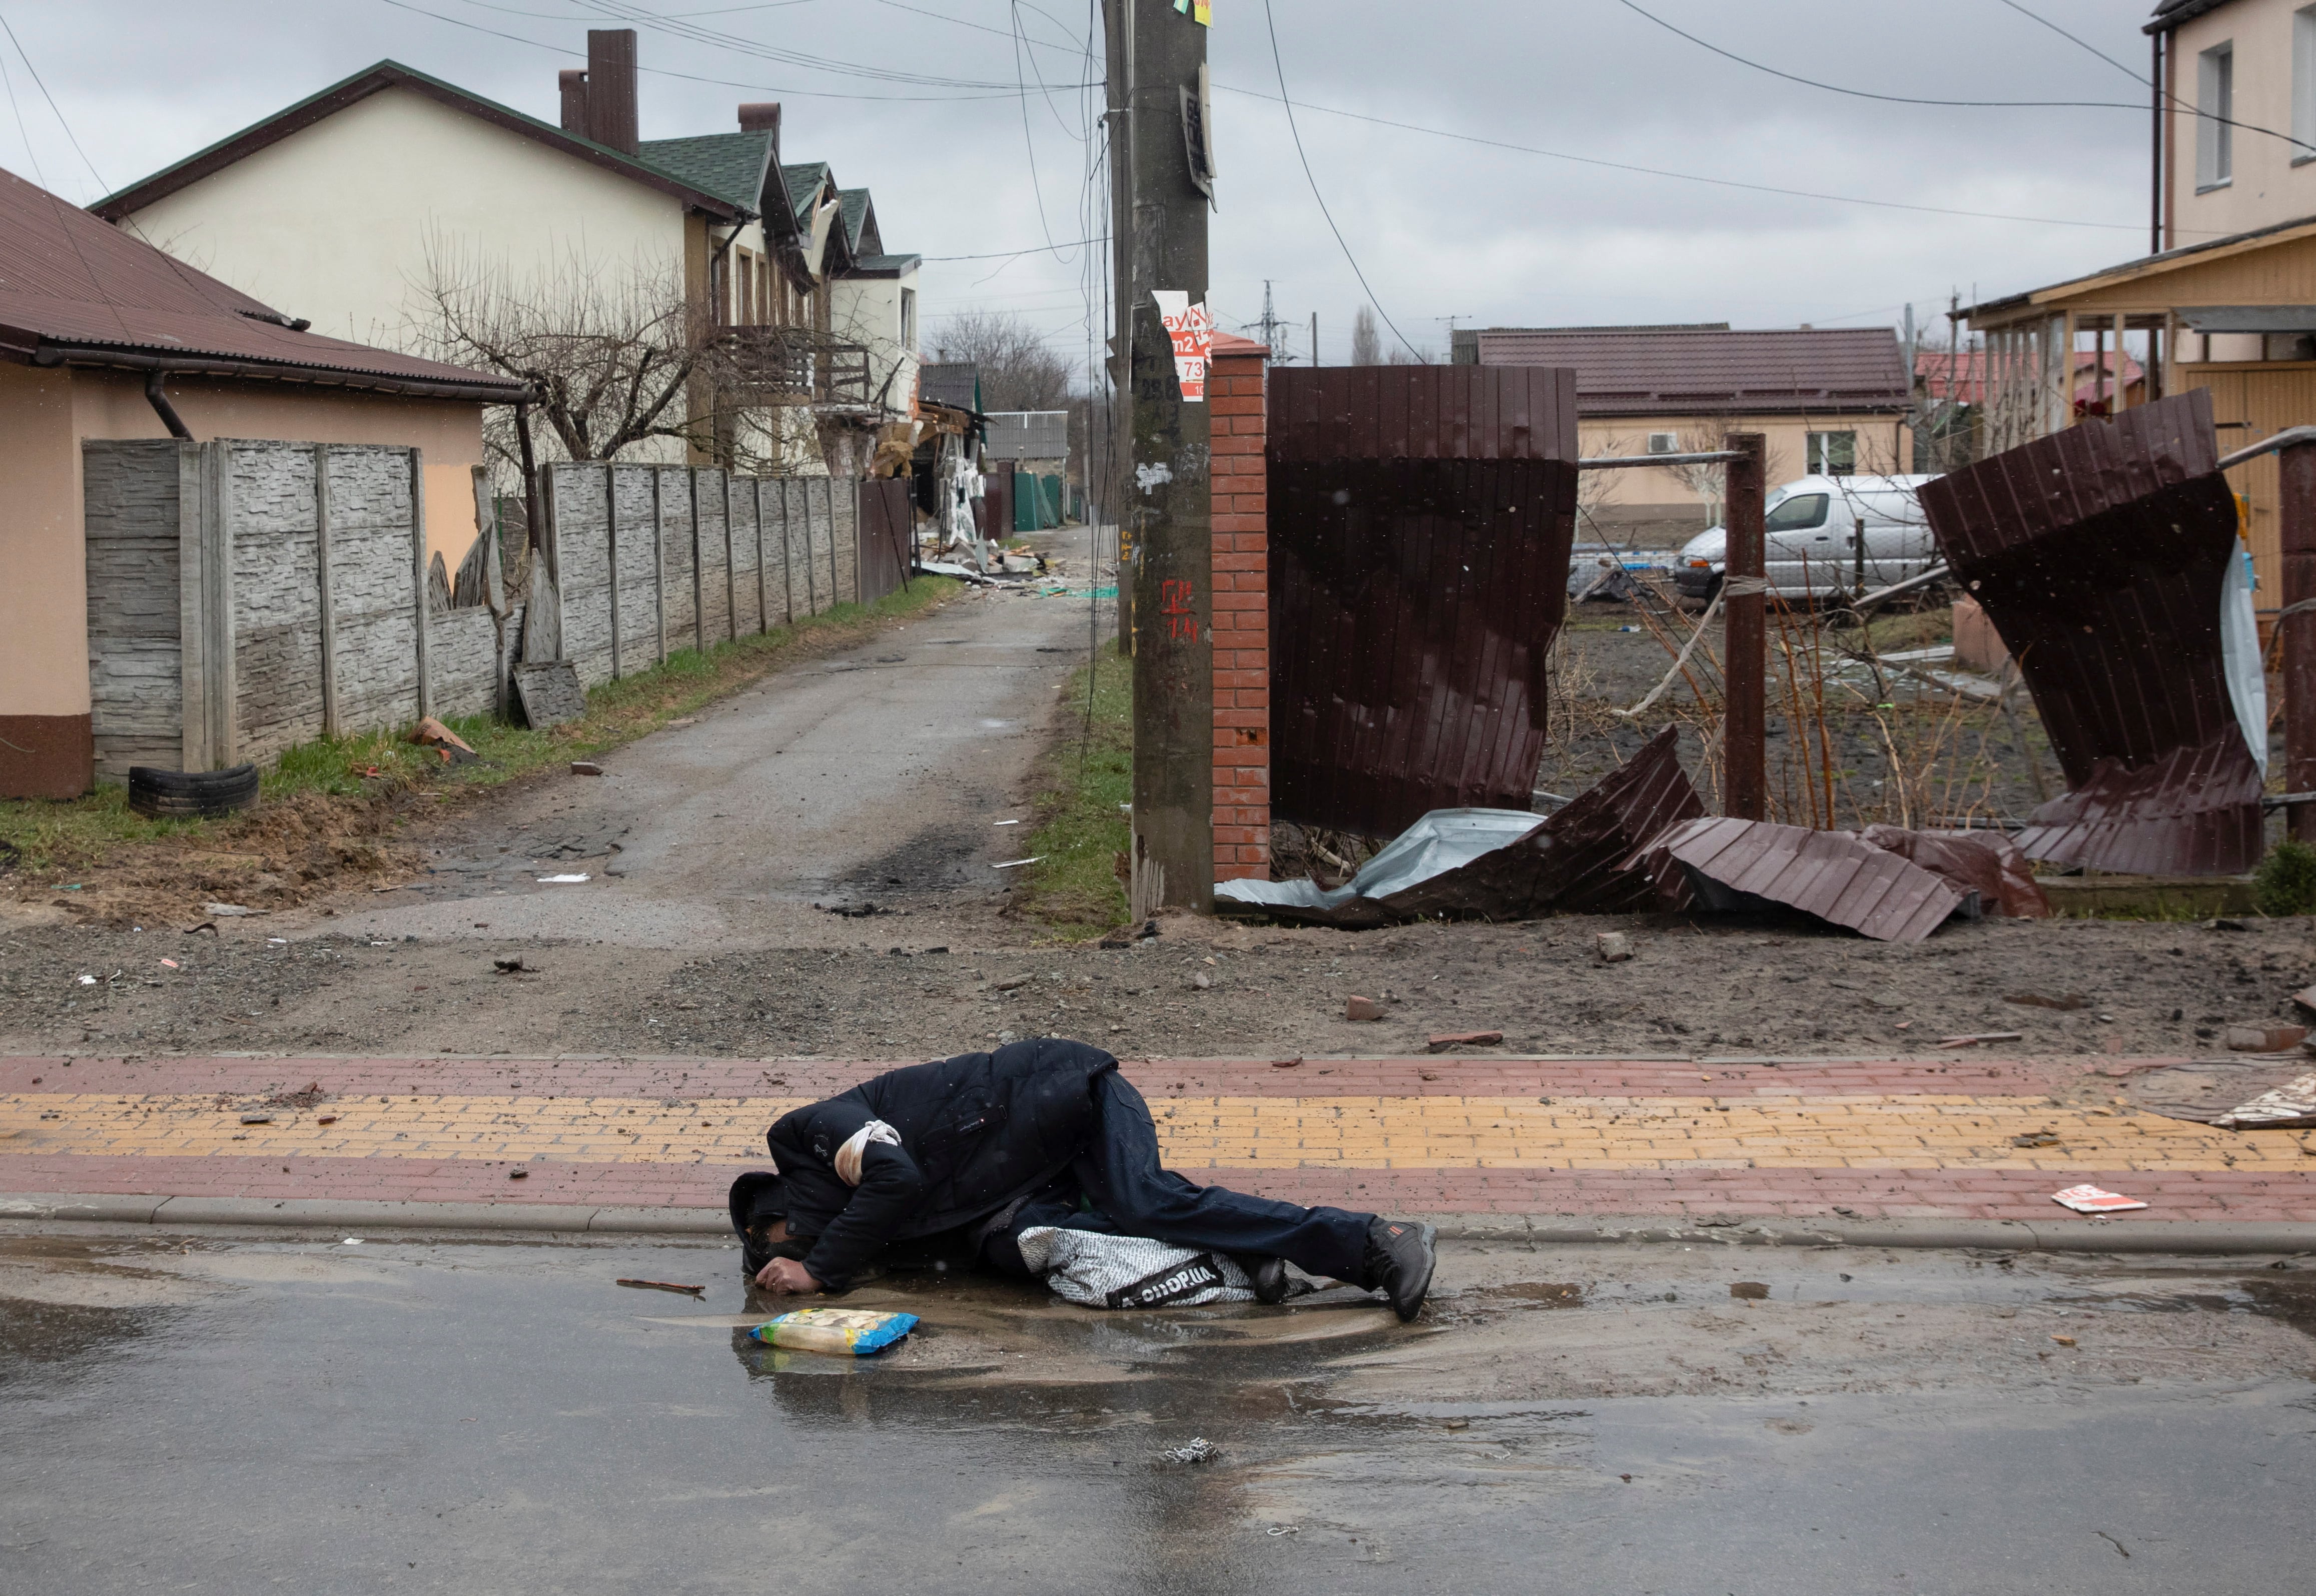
[
  {"x": 1744, "y": 615},
  {"x": 1315, "y": 338},
  {"x": 2297, "y": 478},
  {"x": 1157, "y": 56}
]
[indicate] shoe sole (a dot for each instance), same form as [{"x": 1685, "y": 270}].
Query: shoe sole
[{"x": 1430, "y": 1236}]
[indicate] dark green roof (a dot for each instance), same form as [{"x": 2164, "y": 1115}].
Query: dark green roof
[
  {"x": 383, "y": 75},
  {"x": 884, "y": 265},
  {"x": 852, "y": 205},
  {"x": 731, "y": 165},
  {"x": 804, "y": 181}
]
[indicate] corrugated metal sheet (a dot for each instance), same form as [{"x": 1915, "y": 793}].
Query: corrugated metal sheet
[
  {"x": 1987, "y": 863},
  {"x": 1420, "y": 520},
  {"x": 1589, "y": 846},
  {"x": 67, "y": 278},
  {"x": 1690, "y": 370},
  {"x": 2098, "y": 553},
  {"x": 887, "y": 533},
  {"x": 1835, "y": 875},
  {"x": 1027, "y": 435}
]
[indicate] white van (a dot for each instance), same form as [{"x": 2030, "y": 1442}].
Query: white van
[{"x": 1825, "y": 536}]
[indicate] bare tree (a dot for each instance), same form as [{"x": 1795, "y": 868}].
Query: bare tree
[
  {"x": 1708, "y": 481},
  {"x": 1367, "y": 348},
  {"x": 616, "y": 355},
  {"x": 1019, "y": 371}
]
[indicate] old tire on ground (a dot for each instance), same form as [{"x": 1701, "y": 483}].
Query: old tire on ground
[{"x": 189, "y": 795}]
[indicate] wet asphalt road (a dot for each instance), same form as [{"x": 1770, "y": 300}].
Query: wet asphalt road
[{"x": 259, "y": 1414}]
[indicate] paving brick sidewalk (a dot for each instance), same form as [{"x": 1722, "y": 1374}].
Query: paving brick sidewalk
[{"x": 1861, "y": 1139}]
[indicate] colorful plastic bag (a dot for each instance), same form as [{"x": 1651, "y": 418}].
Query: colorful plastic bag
[{"x": 843, "y": 1331}]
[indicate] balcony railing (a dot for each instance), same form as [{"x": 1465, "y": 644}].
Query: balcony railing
[{"x": 797, "y": 366}]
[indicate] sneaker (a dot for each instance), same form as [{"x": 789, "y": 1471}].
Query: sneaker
[{"x": 1400, "y": 1259}]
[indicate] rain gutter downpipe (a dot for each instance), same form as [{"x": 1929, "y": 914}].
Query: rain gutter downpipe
[{"x": 162, "y": 408}]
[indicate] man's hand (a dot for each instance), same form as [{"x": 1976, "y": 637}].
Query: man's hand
[{"x": 786, "y": 1274}]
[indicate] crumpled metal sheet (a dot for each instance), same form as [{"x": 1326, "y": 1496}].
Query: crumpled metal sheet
[
  {"x": 1506, "y": 864},
  {"x": 2210, "y": 1091},
  {"x": 1736, "y": 865},
  {"x": 2104, "y": 556},
  {"x": 2194, "y": 812},
  {"x": 1985, "y": 862}
]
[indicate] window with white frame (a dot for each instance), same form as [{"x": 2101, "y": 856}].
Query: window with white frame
[
  {"x": 1665, "y": 442},
  {"x": 1832, "y": 454},
  {"x": 2215, "y": 110},
  {"x": 2304, "y": 85},
  {"x": 908, "y": 319}
]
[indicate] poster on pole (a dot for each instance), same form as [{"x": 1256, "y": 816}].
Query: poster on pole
[
  {"x": 1192, "y": 333},
  {"x": 1199, "y": 11}
]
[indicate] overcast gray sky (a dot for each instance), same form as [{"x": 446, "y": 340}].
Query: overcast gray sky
[{"x": 919, "y": 102}]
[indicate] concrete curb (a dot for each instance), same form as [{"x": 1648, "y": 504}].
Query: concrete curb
[{"x": 2216, "y": 1237}]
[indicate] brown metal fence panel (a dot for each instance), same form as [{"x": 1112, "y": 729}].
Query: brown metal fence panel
[
  {"x": 2099, "y": 554},
  {"x": 888, "y": 526},
  {"x": 1420, "y": 520}
]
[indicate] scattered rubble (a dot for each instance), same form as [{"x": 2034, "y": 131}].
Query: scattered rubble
[{"x": 2091, "y": 1200}]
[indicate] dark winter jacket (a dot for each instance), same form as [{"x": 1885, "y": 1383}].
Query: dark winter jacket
[{"x": 976, "y": 1132}]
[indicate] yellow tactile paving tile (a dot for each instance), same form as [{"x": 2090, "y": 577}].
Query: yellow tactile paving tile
[{"x": 1405, "y": 1133}]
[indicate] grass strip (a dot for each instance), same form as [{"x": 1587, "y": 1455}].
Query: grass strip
[
  {"x": 1083, "y": 827},
  {"x": 49, "y": 835}
]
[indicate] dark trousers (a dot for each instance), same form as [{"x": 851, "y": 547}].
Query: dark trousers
[{"x": 1118, "y": 1186}]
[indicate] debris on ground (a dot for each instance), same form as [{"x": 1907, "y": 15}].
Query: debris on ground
[
  {"x": 1199, "y": 1450},
  {"x": 430, "y": 733},
  {"x": 1986, "y": 862},
  {"x": 549, "y": 694},
  {"x": 1749, "y": 1290},
  {"x": 1502, "y": 864},
  {"x": 2109, "y": 558},
  {"x": 585, "y": 767},
  {"x": 2064, "y": 1002},
  {"x": 228, "y": 911},
  {"x": 1752, "y": 865},
  {"x": 857, "y": 1332},
  {"x": 1614, "y": 947},
  {"x": 2272, "y": 1036},
  {"x": 1980, "y": 1039},
  {"x": 562, "y": 880},
  {"x": 257, "y": 1117},
  {"x": 514, "y": 967},
  {"x": 1362, "y": 1008},
  {"x": 662, "y": 1286},
  {"x": 1442, "y": 1040},
  {"x": 2091, "y": 1200},
  {"x": 2036, "y": 1139},
  {"x": 2289, "y": 1107}
]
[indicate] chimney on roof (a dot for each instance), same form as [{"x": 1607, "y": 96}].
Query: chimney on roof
[
  {"x": 611, "y": 88},
  {"x": 761, "y": 116},
  {"x": 575, "y": 101}
]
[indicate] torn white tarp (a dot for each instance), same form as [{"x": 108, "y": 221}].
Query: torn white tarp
[
  {"x": 1442, "y": 840},
  {"x": 1130, "y": 1271},
  {"x": 2287, "y": 1108}
]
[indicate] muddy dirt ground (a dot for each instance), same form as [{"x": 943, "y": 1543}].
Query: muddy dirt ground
[
  {"x": 930, "y": 983},
  {"x": 675, "y": 950}
]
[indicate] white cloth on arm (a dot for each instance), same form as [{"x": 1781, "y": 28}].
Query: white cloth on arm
[{"x": 848, "y": 1157}]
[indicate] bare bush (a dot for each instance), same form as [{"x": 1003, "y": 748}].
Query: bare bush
[{"x": 616, "y": 355}]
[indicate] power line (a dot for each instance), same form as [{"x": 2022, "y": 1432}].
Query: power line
[
  {"x": 2148, "y": 83},
  {"x": 54, "y": 109},
  {"x": 999, "y": 92},
  {"x": 1278, "y": 61},
  {"x": 1727, "y": 183},
  {"x": 1835, "y": 88}
]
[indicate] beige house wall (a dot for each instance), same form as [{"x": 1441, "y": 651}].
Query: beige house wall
[
  {"x": 45, "y": 416},
  {"x": 1657, "y": 501},
  {"x": 866, "y": 311},
  {"x": 2273, "y": 180}
]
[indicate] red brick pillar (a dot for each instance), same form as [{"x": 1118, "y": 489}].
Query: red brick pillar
[{"x": 1242, "y": 611}]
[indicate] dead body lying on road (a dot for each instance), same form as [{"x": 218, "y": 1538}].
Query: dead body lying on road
[{"x": 1009, "y": 1160}]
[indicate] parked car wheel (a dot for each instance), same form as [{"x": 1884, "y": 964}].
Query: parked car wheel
[{"x": 189, "y": 795}]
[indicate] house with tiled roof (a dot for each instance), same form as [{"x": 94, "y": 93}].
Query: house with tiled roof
[
  {"x": 355, "y": 207},
  {"x": 1828, "y": 400}
]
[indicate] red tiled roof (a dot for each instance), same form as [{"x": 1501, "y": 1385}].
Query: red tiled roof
[
  {"x": 1962, "y": 375},
  {"x": 78, "y": 291},
  {"x": 1693, "y": 372}
]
